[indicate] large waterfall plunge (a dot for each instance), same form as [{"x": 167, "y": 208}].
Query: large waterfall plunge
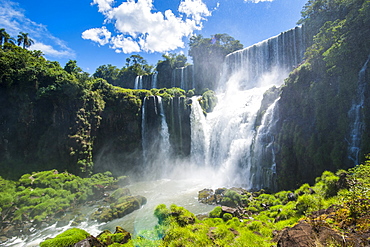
[
  {"x": 278, "y": 54},
  {"x": 229, "y": 139},
  {"x": 235, "y": 141}
]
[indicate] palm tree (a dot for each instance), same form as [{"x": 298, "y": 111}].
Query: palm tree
[
  {"x": 5, "y": 37},
  {"x": 23, "y": 38},
  {"x": 2, "y": 36}
]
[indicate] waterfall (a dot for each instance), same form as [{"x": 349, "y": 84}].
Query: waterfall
[
  {"x": 281, "y": 52},
  {"x": 242, "y": 154},
  {"x": 155, "y": 136},
  {"x": 355, "y": 113},
  {"x": 199, "y": 133},
  {"x": 182, "y": 79},
  {"x": 154, "y": 80},
  {"x": 138, "y": 82},
  {"x": 164, "y": 144},
  {"x": 263, "y": 170}
]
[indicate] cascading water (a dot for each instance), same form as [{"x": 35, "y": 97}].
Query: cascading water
[
  {"x": 199, "y": 133},
  {"x": 154, "y": 80},
  {"x": 282, "y": 52},
  {"x": 182, "y": 79},
  {"x": 355, "y": 113},
  {"x": 235, "y": 147},
  {"x": 155, "y": 135},
  {"x": 263, "y": 173},
  {"x": 138, "y": 82},
  {"x": 232, "y": 133}
]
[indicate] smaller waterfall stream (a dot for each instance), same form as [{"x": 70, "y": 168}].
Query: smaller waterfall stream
[
  {"x": 154, "y": 80},
  {"x": 138, "y": 82},
  {"x": 263, "y": 173},
  {"x": 355, "y": 113},
  {"x": 155, "y": 136},
  {"x": 199, "y": 133}
]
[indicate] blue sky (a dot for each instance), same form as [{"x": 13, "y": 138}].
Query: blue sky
[{"x": 97, "y": 32}]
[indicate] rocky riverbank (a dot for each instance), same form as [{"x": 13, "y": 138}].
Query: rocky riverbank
[{"x": 42, "y": 199}]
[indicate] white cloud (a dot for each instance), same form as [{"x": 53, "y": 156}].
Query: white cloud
[
  {"x": 99, "y": 35},
  {"x": 13, "y": 19},
  {"x": 103, "y": 5},
  {"x": 194, "y": 8},
  {"x": 125, "y": 45},
  {"x": 49, "y": 50},
  {"x": 140, "y": 28}
]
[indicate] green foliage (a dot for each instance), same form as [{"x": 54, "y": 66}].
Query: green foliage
[
  {"x": 40, "y": 195},
  {"x": 7, "y": 191},
  {"x": 216, "y": 212},
  {"x": 24, "y": 39},
  {"x": 306, "y": 203},
  {"x": 107, "y": 72},
  {"x": 357, "y": 198},
  {"x": 208, "y": 101},
  {"x": 227, "y": 216},
  {"x": 321, "y": 91},
  {"x": 67, "y": 238},
  {"x": 178, "y": 227},
  {"x": 162, "y": 213},
  {"x": 327, "y": 184}
]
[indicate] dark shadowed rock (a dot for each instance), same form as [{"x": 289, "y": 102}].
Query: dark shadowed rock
[
  {"x": 305, "y": 235},
  {"x": 89, "y": 242}
]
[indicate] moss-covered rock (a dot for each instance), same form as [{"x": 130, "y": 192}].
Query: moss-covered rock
[
  {"x": 124, "y": 206},
  {"x": 120, "y": 236},
  {"x": 67, "y": 238}
]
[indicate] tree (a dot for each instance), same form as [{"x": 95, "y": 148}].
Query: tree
[
  {"x": 139, "y": 65},
  {"x": 208, "y": 56},
  {"x": 25, "y": 40},
  {"x": 5, "y": 37},
  {"x": 72, "y": 68},
  {"x": 107, "y": 72}
]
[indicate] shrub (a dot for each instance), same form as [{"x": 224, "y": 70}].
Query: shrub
[
  {"x": 216, "y": 212},
  {"x": 227, "y": 216},
  {"x": 162, "y": 213},
  {"x": 306, "y": 203},
  {"x": 304, "y": 189},
  {"x": 327, "y": 184}
]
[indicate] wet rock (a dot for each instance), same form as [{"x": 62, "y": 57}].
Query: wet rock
[
  {"x": 305, "y": 235},
  {"x": 311, "y": 191},
  {"x": 9, "y": 231},
  {"x": 220, "y": 191},
  {"x": 124, "y": 206},
  {"x": 233, "y": 211},
  {"x": 89, "y": 242},
  {"x": 121, "y": 236},
  {"x": 291, "y": 197},
  {"x": 206, "y": 196}
]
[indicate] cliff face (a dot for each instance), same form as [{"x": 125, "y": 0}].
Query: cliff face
[
  {"x": 51, "y": 119},
  {"x": 323, "y": 112}
]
